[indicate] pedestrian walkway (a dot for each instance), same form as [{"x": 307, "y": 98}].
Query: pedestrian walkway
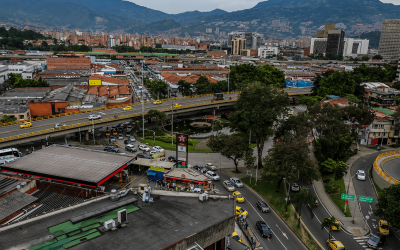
[{"x": 358, "y": 228}]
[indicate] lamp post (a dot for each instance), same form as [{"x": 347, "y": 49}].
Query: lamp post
[
  {"x": 142, "y": 103},
  {"x": 347, "y": 192},
  {"x": 94, "y": 140},
  {"x": 172, "y": 125},
  {"x": 154, "y": 135}
]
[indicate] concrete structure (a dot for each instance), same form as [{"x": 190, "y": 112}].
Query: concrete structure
[
  {"x": 238, "y": 44},
  {"x": 253, "y": 39},
  {"x": 389, "y": 43},
  {"x": 354, "y": 47},
  {"x": 265, "y": 51},
  {"x": 318, "y": 46},
  {"x": 249, "y": 52},
  {"x": 324, "y": 33},
  {"x": 335, "y": 43},
  {"x": 68, "y": 62},
  {"x": 171, "y": 46}
]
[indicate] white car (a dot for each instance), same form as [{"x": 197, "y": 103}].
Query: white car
[
  {"x": 212, "y": 175},
  {"x": 236, "y": 182},
  {"x": 290, "y": 111},
  {"x": 228, "y": 186},
  {"x": 211, "y": 166},
  {"x": 59, "y": 125},
  {"x": 158, "y": 149},
  {"x": 153, "y": 152},
  {"x": 360, "y": 175},
  {"x": 93, "y": 117},
  {"x": 144, "y": 148}
]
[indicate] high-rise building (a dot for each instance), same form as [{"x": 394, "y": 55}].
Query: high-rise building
[
  {"x": 324, "y": 33},
  {"x": 253, "y": 39},
  {"x": 335, "y": 43},
  {"x": 318, "y": 46},
  {"x": 354, "y": 47},
  {"x": 238, "y": 44},
  {"x": 389, "y": 43}
]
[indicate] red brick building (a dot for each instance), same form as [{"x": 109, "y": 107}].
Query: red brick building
[{"x": 68, "y": 62}]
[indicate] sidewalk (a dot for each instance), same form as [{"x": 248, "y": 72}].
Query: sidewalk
[{"x": 358, "y": 227}]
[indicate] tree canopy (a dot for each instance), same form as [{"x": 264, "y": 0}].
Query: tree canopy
[
  {"x": 185, "y": 88},
  {"x": 203, "y": 86},
  {"x": 158, "y": 86},
  {"x": 338, "y": 83},
  {"x": 388, "y": 205}
]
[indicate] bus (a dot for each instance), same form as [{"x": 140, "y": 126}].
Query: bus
[{"x": 8, "y": 155}]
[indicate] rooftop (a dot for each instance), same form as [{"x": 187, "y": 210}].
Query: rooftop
[
  {"x": 186, "y": 174},
  {"x": 69, "y": 164}
]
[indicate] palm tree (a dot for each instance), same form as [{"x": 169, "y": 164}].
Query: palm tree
[
  {"x": 303, "y": 197},
  {"x": 329, "y": 223}
]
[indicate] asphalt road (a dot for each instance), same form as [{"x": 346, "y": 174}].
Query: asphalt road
[{"x": 392, "y": 168}]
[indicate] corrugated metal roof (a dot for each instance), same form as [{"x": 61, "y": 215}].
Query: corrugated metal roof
[{"x": 14, "y": 202}]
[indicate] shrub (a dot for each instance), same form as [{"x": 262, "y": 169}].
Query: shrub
[{"x": 332, "y": 189}]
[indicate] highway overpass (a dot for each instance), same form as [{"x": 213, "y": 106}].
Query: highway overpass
[{"x": 12, "y": 134}]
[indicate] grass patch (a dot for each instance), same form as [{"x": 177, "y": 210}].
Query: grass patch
[
  {"x": 395, "y": 145},
  {"x": 374, "y": 147},
  {"x": 223, "y": 120},
  {"x": 247, "y": 137},
  {"x": 336, "y": 198},
  {"x": 168, "y": 146},
  {"x": 277, "y": 201},
  {"x": 379, "y": 191}
]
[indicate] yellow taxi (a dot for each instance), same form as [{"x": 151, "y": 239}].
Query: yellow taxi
[
  {"x": 241, "y": 211},
  {"x": 239, "y": 196},
  {"x": 383, "y": 227},
  {"x": 26, "y": 125},
  {"x": 177, "y": 106},
  {"x": 127, "y": 108},
  {"x": 336, "y": 226},
  {"x": 235, "y": 236},
  {"x": 157, "y": 102},
  {"x": 335, "y": 244}
]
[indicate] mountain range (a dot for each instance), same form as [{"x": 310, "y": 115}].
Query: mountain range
[{"x": 273, "y": 18}]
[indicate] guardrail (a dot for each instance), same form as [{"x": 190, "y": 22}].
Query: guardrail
[
  {"x": 382, "y": 173},
  {"x": 83, "y": 124}
]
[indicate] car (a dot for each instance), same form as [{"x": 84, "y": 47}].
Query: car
[
  {"x": 335, "y": 244},
  {"x": 130, "y": 148},
  {"x": 200, "y": 168},
  {"x": 127, "y": 134},
  {"x": 212, "y": 175},
  {"x": 26, "y": 125},
  {"x": 241, "y": 211},
  {"x": 132, "y": 138},
  {"x": 115, "y": 126},
  {"x": 94, "y": 117},
  {"x": 127, "y": 108},
  {"x": 290, "y": 111},
  {"x": 144, "y": 148},
  {"x": 143, "y": 155},
  {"x": 59, "y": 125},
  {"x": 120, "y": 129},
  {"x": 235, "y": 236},
  {"x": 262, "y": 206},
  {"x": 177, "y": 106},
  {"x": 383, "y": 227},
  {"x": 112, "y": 138},
  {"x": 120, "y": 137},
  {"x": 157, "y": 102},
  {"x": 158, "y": 148},
  {"x": 360, "y": 175},
  {"x": 236, "y": 182},
  {"x": 376, "y": 241},
  {"x": 110, "y": 148},
  {"x": 153, "y": 152},
  {"x": 228, "y": 186},
  {"x": 336, "y": 226},
  {"x": 295, "y": 187},
  {"x": 129, "y": 128},
  {"x": 211, "y": 166},
  {"x": 264, "y": 229},
  {"x": 239, "y": 197}
]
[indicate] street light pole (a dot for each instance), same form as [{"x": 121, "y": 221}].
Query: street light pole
[
  {"x": 142, "y": 103},
  {"x": 347, "y": 192},
  {"x": 172, "y": 126},
  {"x": 228, "y": 76},
  {"x": 94, "y": 140}
]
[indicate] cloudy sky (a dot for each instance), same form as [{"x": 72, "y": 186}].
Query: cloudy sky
[{"x": 178, "y": 6}]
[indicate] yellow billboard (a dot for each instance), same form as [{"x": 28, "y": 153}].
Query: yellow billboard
[{"x": 94, "y": 82}]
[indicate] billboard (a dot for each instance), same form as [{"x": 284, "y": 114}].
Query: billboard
[
  {"x": 158, "y": 155},
  {"x": 182, "y": 145},
  {"x": 94, "y": 82}
]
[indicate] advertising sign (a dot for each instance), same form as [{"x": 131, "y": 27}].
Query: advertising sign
[
  {"x": 182, "y": 141},
  {"x": 94, "y": 82},
  {"x": 158, "y": 155},
  {"x": 181, "y": 148}
]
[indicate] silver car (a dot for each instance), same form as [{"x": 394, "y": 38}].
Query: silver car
[
  {"x": 236, "y": 182},
  {"x": 360, "y": 175},
  {"x": 228, "y": 186},
  {"x": 59, "y": 125}
]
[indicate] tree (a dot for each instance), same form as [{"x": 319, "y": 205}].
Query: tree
[
  {"x": 379, "y": 57},
  {"x": 308, "y": 100},
  {"x": 160, "y": 117},
  {"x": 45, "y": 44},
  {"x": 328, "y": 223},
  {"x": 340, "y": 169},
  {"x": 203, "y": 86},
  {"x": 185, "y": 88},
  {"x": 388, "y": 205},
  {"x": 318, "y": 78},
  {"x": 328, "y": 166},
  {"x": 232, "y": 147},
  {"x": 158, "y": 86},
  {"x": 256, "y": 110},
  {"x": 8, "y": 118},
  {"x": 365, "y": 58},
  {"x": 303, "y": 197},
  {"x": 338, "y": 83},
  {"x": 352, "y": 98},
  {"x": 357, "y": 117},
  {"x": 396, "y": 85}
]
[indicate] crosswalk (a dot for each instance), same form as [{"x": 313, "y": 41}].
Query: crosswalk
[{"x": 362, "y": 241}]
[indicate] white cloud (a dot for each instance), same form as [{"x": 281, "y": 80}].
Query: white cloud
[{"x": 179, "y": 6}]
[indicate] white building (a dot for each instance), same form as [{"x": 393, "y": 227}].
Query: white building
[
  {"x": 265, "y": 51},
  {"x": 318, "y": 46},
  {"x": 354, "y": 47}
]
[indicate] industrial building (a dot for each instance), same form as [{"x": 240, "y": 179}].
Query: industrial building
[
  {"x": 389, "y": 43},
  {"x": 68, "y": 62}
]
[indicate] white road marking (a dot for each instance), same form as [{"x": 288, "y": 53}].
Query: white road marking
[
  {"x": 282, "y": 232},
  {"x": 267, "y": 224}
]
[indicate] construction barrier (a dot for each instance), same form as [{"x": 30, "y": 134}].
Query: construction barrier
[{"x": 380, "y": 161}]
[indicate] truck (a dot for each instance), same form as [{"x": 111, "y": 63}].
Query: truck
[{"x": 218, "y": 96}]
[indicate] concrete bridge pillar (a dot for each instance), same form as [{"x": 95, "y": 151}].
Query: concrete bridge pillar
[
  {"x": 213, "y": 112},
  {"x": 87, "y": 135}
]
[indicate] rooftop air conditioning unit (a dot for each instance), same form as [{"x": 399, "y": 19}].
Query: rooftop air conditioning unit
[
  {"x": 122, "y": 216},
  {"x": 109, "y": 224}
]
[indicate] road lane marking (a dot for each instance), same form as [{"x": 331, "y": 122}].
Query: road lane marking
[
  {"x": 267, "y": 224},
  {"x": 282, "y": 232}
]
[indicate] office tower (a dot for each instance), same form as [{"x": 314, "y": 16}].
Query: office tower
[
  {"x": 324, "y": 33},
  {"x": 389, "y": 43},
  {"x": 335, "y": 43}
]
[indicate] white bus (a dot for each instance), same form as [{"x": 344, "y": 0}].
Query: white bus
[{"x": 8, "y": 155}]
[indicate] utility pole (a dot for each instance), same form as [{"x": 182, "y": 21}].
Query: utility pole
[
  {"x": 228, "y": 75},
  {"x": 172, "y": 126},
  {"x": 142, "y": 102}
]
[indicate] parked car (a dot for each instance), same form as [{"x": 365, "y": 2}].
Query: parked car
[
  {"x": 228, "y": 186},
  {"x": 26, "y": 125},
  {"x": 130, "y": 148},
  {"x": 239, "y": 197},
  {"x": 143, "y": 155},
  {"x": 94, "y": 117},
  {"x": 295, "y": 187},
  {"x": 262, "y": 206},
  {"x": 377, "y": 240},
  {"x": 200, "y": 168},
  {"x": 360, "y": 175},
  {"x": 59, "y": 125},
  {"x": 236, "y": 182},
  {"x": 158, "y": 148},
  {"x": 211, "y": 166},
  {"x": 212, "y": 175},
  {"x": 264, "y": 229},
  {"x": 110, "y": 148},
  {"x": 132, "y": 138},
  {"x": 144, "y": 148},
  {"x": 112, "y": 138},
  {"x": 120, "y": 137}
]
